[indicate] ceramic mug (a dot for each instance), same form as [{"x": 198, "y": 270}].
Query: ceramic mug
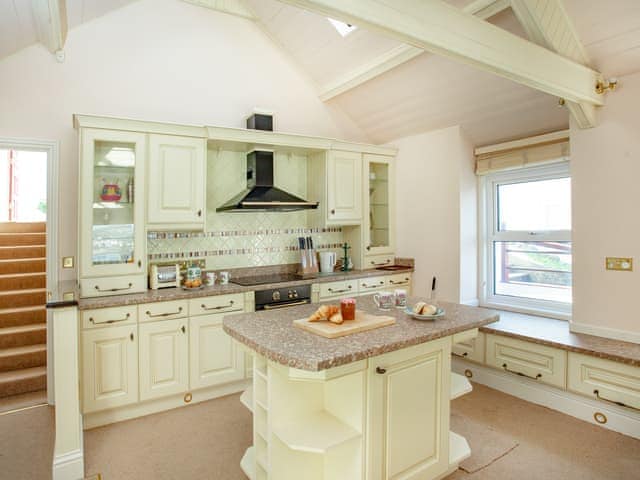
[
  {"x": 400, "y": 296},
  {"x": 384, "y": 300},
  {"x": 224, "y": 278},
  {"x": 210, "y": 278}
]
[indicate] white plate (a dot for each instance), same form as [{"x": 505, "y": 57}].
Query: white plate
[
  {"x": 193, "y": 288},
  {"x": 439, "y": 313}
]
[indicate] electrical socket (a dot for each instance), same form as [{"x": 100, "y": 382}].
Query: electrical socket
[
  {"x": 619, "y": 263},
  {"x": 67, "y": 262}
]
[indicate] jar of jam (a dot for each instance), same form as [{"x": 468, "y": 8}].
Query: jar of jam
[{"x": 348, "y": 308}]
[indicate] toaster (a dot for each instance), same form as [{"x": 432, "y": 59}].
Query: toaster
[{"x": 164, "y": 276}]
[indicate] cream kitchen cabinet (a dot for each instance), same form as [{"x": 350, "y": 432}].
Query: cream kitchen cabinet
[
  {"x": 112, "y": 239},
  {"x": 215, "y": 356},
  {"x": 339, "y": 289},
  {"x": 109, "y": 367},
  {"x": 372, "y": 284},
  {"x": 164, "y": 358},
  {"x": 409, "y": 412},
  {"x": 176, "y": 176},
  {"x": 335, "y": 179},
  {"x": 379, "y": 205},
  {"x": 470, "y": 348}
]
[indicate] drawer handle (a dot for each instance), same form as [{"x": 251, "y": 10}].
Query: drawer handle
[
  {"x": 461, "y": 355},
  {"x": 620, "y": 404},
  {"x": 183, "y": 329},
  {"x": 537, "y": 377},
  {"x": 113, "y": 289},
  {"x": 166, "y": 314},
  {"x": 401, "y": 282},
  {"x": 381, "y": 370},
  {"x": 219, "y": 307},
  {"x": 131, "y": 336},
  {"x": 380, "y": 264},
  {"x": 112, "y": 321},
  {"x": 199, "y": 213},
  {"x": 340, "y": 291}
]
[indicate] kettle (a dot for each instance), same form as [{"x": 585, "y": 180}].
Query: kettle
[{"x": 327, "y": 261}]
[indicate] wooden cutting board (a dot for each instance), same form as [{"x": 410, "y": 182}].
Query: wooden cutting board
[{"x": 362, "y": 323}]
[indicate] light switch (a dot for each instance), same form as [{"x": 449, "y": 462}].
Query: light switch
[
  {"x": 67, "y": 262},
  {"x": 619, "y": 263}
]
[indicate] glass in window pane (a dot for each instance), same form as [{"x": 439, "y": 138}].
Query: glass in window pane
[
  {"x": 379, "y": 204},
  {"x": 542, "y": 205},
  {"x": 536, "y": 270},
  {"x": 113, "y": 203}
]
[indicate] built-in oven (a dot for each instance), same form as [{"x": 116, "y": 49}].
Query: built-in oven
[{"x": 274, "y": 298}]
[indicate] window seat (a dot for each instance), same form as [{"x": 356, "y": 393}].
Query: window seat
[{"x": 555, "y": 333}]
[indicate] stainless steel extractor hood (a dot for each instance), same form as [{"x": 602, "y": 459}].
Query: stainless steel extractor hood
[{"x": 260, "y": 194}]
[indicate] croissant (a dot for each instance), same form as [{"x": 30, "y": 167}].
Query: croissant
[
  {"x": 336, "y": 318},
  {"x": 324, "y": 313}
]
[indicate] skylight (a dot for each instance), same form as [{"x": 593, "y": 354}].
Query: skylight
[{"x": 343, "y": 29}]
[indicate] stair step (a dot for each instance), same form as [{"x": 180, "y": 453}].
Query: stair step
[
  {"x": 22, "y": 281},
  {"x": 18, "y": 239},
  {"x": 27, "y": 356},
  {"x": 23, "y": 251},
  {"x": 23, "y": 381},
  {"x": 23, "y": 335},
  {"x": 23, "y": 298},
  {"x": 23, "y": 227},
  {"x": 23, "y": 265},
  {"x": 13, "y": 317}
]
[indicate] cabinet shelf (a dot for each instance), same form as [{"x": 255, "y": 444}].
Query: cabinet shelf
[
  {"x": 247, "y": 398},
  {"x": 111, "y": 205},
  {"x": 248, "y": 463},
  {"x": 460, "y": 385},
  {"x": 314, "y": 432},
  {"x": 458, "y": 448}
]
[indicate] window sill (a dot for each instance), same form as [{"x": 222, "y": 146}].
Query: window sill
[{"x": 538, "y": 312}]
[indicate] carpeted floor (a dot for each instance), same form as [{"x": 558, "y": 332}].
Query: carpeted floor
[{"x": 206, "y": 441}]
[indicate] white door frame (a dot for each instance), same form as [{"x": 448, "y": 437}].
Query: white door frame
[{"x": 51, "y": 147}]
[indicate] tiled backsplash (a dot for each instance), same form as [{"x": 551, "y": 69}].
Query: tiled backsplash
[{"x": 235, "y": 240}]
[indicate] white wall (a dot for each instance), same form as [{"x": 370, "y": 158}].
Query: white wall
[
  {"x": 605, "y": 170},
  {"x": 162, "y": 60},
  {"x": 436, "y": 212}
]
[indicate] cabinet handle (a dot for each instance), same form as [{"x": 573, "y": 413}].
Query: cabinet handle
[
  {"x": 199, "y": 213},
  {"x": 131, "y": 336},
  {"x": 368, "y": 247},
  {"x": 620, "y": 404},
  {"x": 220, "y": 307},
  {"x": 401, "y": 282},
  {"x": 461, "y": 355},
  {"x": 139, "y": 263},
  {"x": 381, "y": 370},
  {"x": 166, "y": 314},
  {"x": 113, "y": 289},
  {"x": 184, "y": 329},
  {"x": 340, "y": 291},
  {"x": 112, "y": 321},
  {"x": 333, "y": 211},
  {"x": 379, "y": 264},
  {"x": 537, "y": 377}
]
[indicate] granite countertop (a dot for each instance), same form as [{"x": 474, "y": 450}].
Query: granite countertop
[
  {"x": 555, "y": 333},
  {"x": 64, "y": 294},
  {"x": 273, "y": 335},
  {"x": 167, "y": 294}
]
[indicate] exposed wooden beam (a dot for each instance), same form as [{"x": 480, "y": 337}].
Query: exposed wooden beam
[
  {"x": 389, "y": 60},
  {"x": 445, "y": 30},
  {"x": 233, "y": 7},
  {"x": 548, "y": 25},
  {"x": 51, "y": 24}
]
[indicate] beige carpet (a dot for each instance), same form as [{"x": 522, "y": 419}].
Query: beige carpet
[
  {"x": 206, "y": 442},
  {"x": 202, "y": 441},
  {"x": 552, "y": 446},
  {"x": 24, "y": 400}
]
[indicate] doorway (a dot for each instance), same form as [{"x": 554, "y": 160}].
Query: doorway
[{"x": 25, "y": 260}]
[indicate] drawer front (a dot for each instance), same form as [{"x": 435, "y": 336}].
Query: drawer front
[
  {"x": 469, "y": 348},
  {"x": 399, "y": 280},
  {"x": 150, "y": 312},
  {"x": 371, "y": 284},
  {"x": 538, "y": 362},
  {"x": 218, "y": 304},
  {"x": 373, "y": 261},
  {"x": 104, "y": 317},
  {"x": 604, "y": 380},
  {"x": 338, "y": 289},
  {"x": 105, "y": 286}
]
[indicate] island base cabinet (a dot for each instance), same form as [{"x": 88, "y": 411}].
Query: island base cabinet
[
  {"x": 110, "y": 368},
  {"x": 408, "y": 415},
  {"x": 215, "y": 356},
  {"x": 164, "y": 367}
]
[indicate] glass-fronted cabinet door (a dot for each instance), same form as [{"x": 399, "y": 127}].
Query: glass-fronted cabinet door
[
  {"x": 379, "y": 222},
  {"x": 112, "y": 203}
]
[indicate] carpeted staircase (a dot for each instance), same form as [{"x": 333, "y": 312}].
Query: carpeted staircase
[{"x": 23, "y": 330}]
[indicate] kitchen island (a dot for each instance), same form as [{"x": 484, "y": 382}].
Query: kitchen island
[{"x": 372, "y": 405}]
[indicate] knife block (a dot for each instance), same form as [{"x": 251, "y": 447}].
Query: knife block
[{"x": 308, "y": 263}]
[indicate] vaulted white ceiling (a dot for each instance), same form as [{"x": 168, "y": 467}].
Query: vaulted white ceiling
[{"x": 424, "y": 93}]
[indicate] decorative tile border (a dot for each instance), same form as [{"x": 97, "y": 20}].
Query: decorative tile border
[
  {"x": 242, "y": 233},
  {"x": 235, "y": 251}
]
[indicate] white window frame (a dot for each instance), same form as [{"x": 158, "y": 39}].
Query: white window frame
[{"x": 488, "y": 216}]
